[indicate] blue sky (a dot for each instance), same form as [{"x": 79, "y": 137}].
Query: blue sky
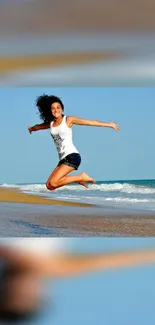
[{"x": 106, "y": 155}]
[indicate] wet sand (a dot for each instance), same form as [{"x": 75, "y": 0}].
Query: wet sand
[{"x": 32, "y": 216}]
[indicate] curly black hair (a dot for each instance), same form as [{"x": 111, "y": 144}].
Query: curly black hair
[{"x": 44, "y": 103}]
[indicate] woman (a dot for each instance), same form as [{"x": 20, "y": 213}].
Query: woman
[{"x": 51, "y": 112}]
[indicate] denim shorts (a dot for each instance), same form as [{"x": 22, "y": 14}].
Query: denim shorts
[{"x": 72, "y": 160}]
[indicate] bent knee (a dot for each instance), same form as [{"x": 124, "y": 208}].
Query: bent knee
[{"x": 51, "y": 185}]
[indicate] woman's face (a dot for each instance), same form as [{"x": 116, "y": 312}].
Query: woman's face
[{"x": 56, "y": 110}]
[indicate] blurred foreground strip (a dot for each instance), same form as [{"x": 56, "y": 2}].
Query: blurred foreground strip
[{"x": 30, "y": 261}]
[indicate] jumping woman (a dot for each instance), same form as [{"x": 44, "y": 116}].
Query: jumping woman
[{"x": 51, "y": 112}]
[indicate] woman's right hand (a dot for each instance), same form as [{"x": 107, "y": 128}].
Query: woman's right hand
[{"x": 29, "y": 129}]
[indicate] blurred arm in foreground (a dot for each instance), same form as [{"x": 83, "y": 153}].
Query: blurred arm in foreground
[
  {"x": 69, "y": 265},
  {"x": 20, "y": 286}
]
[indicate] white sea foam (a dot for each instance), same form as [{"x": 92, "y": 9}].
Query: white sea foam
[
  {"x": 129, "y": 200},
  {"x": 123, "y": 188},
  {"x": 113, "y": 187},
  {"x": 8, "y": 185}
]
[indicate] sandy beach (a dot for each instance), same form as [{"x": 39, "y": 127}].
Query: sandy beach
[
  {"x": 27, "y": 215},
  {"x": 11, "y": 195}
]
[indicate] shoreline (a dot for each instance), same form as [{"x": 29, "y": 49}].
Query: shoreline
[
  {"x": 24, "y": 215},
  {"x": 16, "y": 196}
]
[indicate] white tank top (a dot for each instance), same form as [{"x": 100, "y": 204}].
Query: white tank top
[{"x": 62, "y": 136}]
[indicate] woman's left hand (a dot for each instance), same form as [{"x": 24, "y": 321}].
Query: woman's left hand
[{"x": 114, "y": 126}]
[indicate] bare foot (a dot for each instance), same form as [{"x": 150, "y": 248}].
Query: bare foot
[
  {"x": 83, "y": 184},
  {"x": 86, "y": 178}
]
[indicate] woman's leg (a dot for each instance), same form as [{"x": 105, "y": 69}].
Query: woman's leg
[
  {"x": 49, "y": 187},
  {"x": 59, "y": 177}
]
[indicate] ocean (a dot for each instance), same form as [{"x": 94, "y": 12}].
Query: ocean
[{"x": 129, "y": 194}]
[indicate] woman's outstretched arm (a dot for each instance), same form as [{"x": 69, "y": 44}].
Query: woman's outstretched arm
[
  {"x": 60, "y": 266},
  {"x": 38, "y": 127},
  {"x": 80, "y": 121},
  {"x": 66, "y": 266}
]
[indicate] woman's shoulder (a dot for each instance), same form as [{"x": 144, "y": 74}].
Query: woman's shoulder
[
  {"x": 51, "y": 123},
  {"x": 69, "y": 120}
]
